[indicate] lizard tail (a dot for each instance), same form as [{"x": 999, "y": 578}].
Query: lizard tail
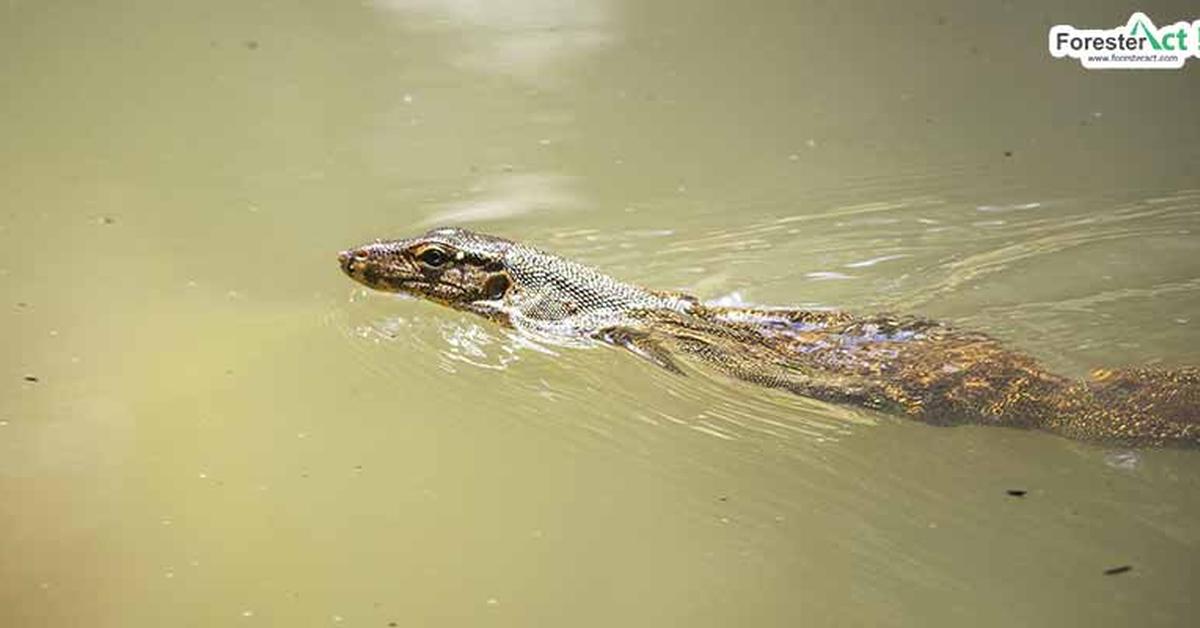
[{"x": 1142, "y": 406}]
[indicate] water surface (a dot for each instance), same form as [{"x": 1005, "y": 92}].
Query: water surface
[{"x": 203, "y": 423}]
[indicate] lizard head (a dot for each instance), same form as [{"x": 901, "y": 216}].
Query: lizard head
[{"x": 454, "y": 267}]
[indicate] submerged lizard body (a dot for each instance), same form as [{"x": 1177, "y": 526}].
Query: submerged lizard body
[{"x": 909, "y": 366}]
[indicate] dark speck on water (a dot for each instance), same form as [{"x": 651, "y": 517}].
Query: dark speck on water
[
  {"x": 1118, "y": 570},
  {"x": 31, "y": 378},
  {"x": 251, "y": 45},
  {"x": 1008, "y": 153},
  {"x": 1016, "y": 492},
  {"x": 108, "y": 220}
]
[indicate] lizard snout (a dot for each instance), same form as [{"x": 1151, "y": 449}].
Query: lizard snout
[
  {"x": 345, "y": 259},
  {"x": 350, "y": 259}
]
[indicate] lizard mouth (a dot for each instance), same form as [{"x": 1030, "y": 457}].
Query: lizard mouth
[{"x": 362, "y": 269}]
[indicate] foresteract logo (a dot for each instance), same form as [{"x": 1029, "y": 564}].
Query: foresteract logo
[{"x": 1138, "y": 44}]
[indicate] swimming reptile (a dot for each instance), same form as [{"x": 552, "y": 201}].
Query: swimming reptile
[{"x": 910, "y": 366}]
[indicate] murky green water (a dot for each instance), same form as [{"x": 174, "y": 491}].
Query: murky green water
[{"x": 224, "y": 430}]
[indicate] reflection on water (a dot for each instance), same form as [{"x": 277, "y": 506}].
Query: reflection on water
[
  {"x": 706, "y": 404},
  {"x": 530, "y": 40},
  {"x": 507, "y": 196},
  {"x": 202, "y": 422}
]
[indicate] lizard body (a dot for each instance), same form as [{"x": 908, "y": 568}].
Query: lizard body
[{"x": 922, "y": 369}]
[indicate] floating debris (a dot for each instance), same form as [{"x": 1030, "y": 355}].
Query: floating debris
[
  {"x": 1017, "y": 492},
  {"x": 1118, "y": 570}
]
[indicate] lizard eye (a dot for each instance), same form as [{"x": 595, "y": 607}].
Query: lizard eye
[{"x": 433, "y": 257}]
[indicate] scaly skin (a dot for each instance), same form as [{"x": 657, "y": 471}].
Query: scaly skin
[{"x": 910, "y": 366}]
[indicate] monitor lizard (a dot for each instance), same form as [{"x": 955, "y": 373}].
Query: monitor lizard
[{"x": 911, "y": 366}]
